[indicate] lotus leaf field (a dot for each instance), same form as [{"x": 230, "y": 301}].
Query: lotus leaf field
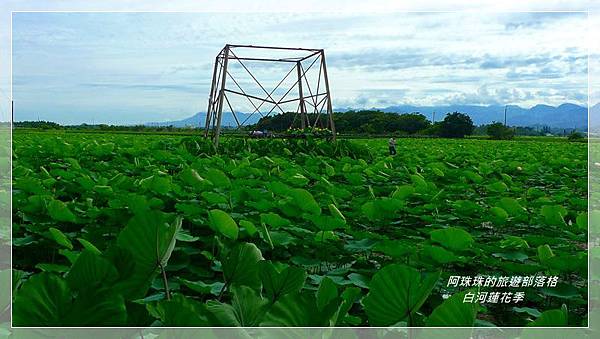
[{"x": 164, "y": 230}]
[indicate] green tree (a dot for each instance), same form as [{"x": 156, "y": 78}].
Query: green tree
[
  {"x": 37, "y": 124},
  {"x": 368, "y": 128},
  {"x": 412, "y": 123},
  {"x": 498, "y": 131},
  {"x": 360, "y": 122},
  {"x": 576, "y": 136},
  {"x": 456, "y": 125}
]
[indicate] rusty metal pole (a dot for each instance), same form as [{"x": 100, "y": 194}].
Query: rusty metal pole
[
  {"x": 221, "y": 95},
  {"x": 329, "y": 107},
  {"x": 211, "y": 98},
  {"x": 302, "y": 107}
]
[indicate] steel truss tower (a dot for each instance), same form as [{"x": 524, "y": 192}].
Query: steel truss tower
[{"x": 313, "y": 99}]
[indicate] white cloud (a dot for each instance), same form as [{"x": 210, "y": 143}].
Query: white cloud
[{"x": 375, "y": 58}]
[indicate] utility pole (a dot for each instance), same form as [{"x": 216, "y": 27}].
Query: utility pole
[
  {"x": 433, "y": 118},
  {"x": 505, "y": 115}
]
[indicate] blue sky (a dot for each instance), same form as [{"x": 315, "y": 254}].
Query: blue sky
[{"x": 140, "y": 67}]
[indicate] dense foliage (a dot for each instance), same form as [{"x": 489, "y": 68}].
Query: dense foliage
[
  {"x": 576, "y": 136},
  {"x": 138, "y": 230},
  {"x": 37, "y": 124},
  {"x": 498, "y": 131},
  {"x": 455, "y": 125},
  {"x": 47, "y": 125},
  {"x": 376, "y": 122},
  {"x": 353, "y": 122}
]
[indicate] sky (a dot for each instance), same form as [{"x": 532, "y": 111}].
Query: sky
[{"x": 123, "y": 68}]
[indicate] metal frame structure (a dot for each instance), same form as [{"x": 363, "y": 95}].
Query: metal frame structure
[{"x": 319, "y": 101}]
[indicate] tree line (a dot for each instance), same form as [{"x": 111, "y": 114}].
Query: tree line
[
  {"x": 96, "y": 127},
  {"x": 363, "y": 122},
  {"x": 375, "y": 122},
  {"x": 372, "y": 122}
]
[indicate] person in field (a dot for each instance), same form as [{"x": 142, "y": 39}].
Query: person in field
[{"x": 392, "y": 145}]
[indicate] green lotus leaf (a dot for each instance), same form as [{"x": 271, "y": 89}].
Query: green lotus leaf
[
  {"x": 241, "y": 267},
  {"x": 454, "y": 312},
  {"x": 453, "y": 238},
  {"x": 150, "y": 238},
  {"x": 396, "y": 293},
  {"x": 223, "y": 223},
  {"x": 278, "y": 283}
]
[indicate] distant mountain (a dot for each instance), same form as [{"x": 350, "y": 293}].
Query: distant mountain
[
  {"x": 199, "y": 119},
  {"x": 564, "y": 116},
  {"x": 595, "y": 118}
]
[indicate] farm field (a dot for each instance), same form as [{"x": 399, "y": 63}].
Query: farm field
[{"x": 159, "y": 230}]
